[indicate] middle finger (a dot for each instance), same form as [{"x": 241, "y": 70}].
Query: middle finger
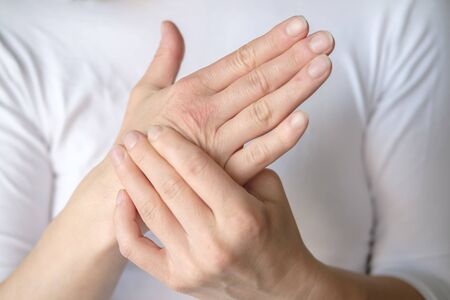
[{"x": 271, "y": 75}]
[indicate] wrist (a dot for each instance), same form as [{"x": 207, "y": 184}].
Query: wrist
[{"x": 91, "y": 206}]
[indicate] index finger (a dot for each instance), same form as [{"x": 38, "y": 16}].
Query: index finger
[
  {"x": 225, "y": 71},
  {"x": 208, "y": 180}
]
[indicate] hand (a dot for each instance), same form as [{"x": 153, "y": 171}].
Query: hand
[
  {"x": 220, "y": 240},
  {"x": 247, "y": 95}
]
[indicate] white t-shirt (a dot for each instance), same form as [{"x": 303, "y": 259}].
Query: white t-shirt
[{"x": 369, "y": 183}]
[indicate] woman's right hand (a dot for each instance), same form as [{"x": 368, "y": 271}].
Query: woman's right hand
[{"x": 248, "y": 95}]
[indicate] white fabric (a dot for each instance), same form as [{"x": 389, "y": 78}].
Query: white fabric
[{"x": 369, "y": 183}]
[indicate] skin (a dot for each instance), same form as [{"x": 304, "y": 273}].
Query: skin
[
  {"x": 221, "y": 240},
  {"x": 240, "y": 93}
]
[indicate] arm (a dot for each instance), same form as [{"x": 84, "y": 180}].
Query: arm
[{"x": 78, "y": 249}]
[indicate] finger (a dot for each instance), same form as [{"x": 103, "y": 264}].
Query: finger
[
  {"x": 263, "y": 115},
  {"x": 155, "y": 214},
  {"x": 164, "y": 68},
  {"x": 210, "y": 181},
  {"x": 187, "y": 207},
  {"x": 228, "y": 69},
  {"x": 262, "y": 151},
  {"x": 132, "y": 244},
  {"x": 272, "y": 74}
]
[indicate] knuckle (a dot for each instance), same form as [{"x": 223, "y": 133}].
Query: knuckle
[
  {"x": 172, "y": 188},
  {"x": 197, "y": 164},
  {"x": 221, "y": 261},
  {"x": 259, "y": 82},
  {"x": 250, "y": 226},
  {"x": 262, "y": 114},
  {"x": 258, "y": 154},
  {"x": 245, "y": 58},
  {"x": 148, "y": 211},
  {"x": 201, "y": 82}
]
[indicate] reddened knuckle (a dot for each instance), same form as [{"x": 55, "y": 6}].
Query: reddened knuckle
[
  {"x": 259, "y": 82},
  {"x": 262, "y": 114},
  {"x": 172, "y": 188},
  {"x": 221, "y": 261},
  {"x": 197, "y": 164},
  {"x": 251, "y": 226},
  {"x": 245, "y": 58}
]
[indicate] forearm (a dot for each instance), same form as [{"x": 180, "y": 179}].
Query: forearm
[
  {"x": 334, "y": 283},
  {"x": 77, "y": 256}
]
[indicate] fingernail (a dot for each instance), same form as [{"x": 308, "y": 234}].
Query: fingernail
[
  {"x": 297, "y": 120},
  {"x": 130, "y": 139},
  {"x": 320, "y": 42},
  {"x": 296, "y": 26},
  {"x": 319, "y": 66},
  {"x": 117, "y": 154},
  {"x": 153, "y": 133},
  {"x": 119, "y": 198}
]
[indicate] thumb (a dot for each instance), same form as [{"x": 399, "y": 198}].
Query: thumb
[{"x": 164, "y": 68}]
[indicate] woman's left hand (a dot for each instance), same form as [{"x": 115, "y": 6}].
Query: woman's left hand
[{"x": 221, "y": 240}]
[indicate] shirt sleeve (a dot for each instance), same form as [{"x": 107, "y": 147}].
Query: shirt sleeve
[
  {"x": 25, "y": 170},
  {"x": 407, "y": 148}
]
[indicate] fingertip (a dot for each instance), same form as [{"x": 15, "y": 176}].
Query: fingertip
[
  {"x": 297, "y": 26},
  {"x": 174, "y": 37},
  {"x": 298, "y": 120}
]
